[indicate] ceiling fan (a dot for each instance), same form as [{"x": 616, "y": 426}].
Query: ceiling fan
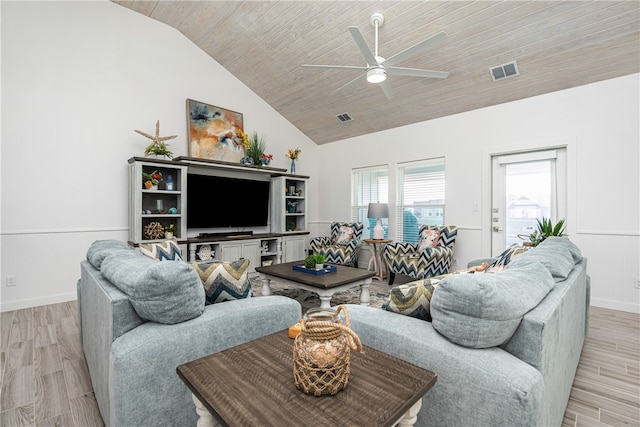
[{"x": 378, "y": 67}]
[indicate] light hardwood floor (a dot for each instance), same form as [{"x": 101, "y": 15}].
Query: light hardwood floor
[{"x": 45, "y": 381}]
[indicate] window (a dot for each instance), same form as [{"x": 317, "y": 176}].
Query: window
[
  {"x": 420, "y": 197},
  {"x": 369, "y": 185}
]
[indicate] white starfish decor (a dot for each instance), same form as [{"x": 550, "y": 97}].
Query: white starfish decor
[{"x": 158, "y": 145}]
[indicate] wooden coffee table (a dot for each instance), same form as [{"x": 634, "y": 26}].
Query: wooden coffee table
[
  {"x": 252, "y": 385},
  {"x": 325, "y": 285}
]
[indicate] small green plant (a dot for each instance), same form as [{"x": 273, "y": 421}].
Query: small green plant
[
  {"x": 546, "y": 229},
  {"x": 257, "y": 145},
  {"x": 312, "y": 260}
]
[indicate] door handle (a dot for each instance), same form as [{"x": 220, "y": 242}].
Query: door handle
[{"x": 496, "y": 228}]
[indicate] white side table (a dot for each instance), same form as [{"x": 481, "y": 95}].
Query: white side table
[{"x": 378, "y": 246}]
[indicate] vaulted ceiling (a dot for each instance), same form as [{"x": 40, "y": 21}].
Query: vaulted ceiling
[{"x": 557, "y": 45}]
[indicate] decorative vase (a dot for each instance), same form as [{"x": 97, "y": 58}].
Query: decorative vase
[
  {"x": 154, "y": 187},
  {"x": 293, "y": 166},
  {"x": 319, "y": 266},
  {"x": 168, "y": 235},
  {"x": 321, "y": 351}
]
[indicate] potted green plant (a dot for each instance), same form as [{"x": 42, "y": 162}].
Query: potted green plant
[
  {"x": 257, "y": 145},
  {"x": 314, "y": 261},
  {"x": 546, "y": 228},
  {"x": 151, "y": 180},
  {"x": 170, "y": 231}
]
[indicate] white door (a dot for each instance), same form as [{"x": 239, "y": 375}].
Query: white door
[{"x": 525, "y": 187}]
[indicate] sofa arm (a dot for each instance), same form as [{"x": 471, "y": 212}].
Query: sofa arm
[
  {"x": 143, "y": 362},
  {"x": 474, "y": 386}
]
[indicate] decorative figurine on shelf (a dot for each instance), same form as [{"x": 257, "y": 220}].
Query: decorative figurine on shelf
[
  {"x": 158, "y": 146},
  {"x": 266, "y": 159},
  {"x": 293, "y": 156}
]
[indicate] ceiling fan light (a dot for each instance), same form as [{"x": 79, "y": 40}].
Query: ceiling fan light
[{"x": 376, "y": 75}]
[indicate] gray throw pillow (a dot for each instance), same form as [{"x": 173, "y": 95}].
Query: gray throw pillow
[
  {"x": 161, "y": 291},
  {"x": 557, "y": 259},
  {"x": 484, "y": 310},
  {"x": 100, "y": 249}
]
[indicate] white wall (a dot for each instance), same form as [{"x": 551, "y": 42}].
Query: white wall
[
  {"x": 77, "y": 79},
  {"x": 599, "y": 124}
]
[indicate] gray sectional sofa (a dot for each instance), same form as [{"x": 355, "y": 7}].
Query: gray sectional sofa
[
  {"x": 134, "y": 341},
  {"x": 505, "y": 346}
]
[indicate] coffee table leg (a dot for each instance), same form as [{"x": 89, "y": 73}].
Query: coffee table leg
[
  {"x": 365, "y": 294},
  {"x": 266, "y": 286},
  {"x": 325, "y": 301},
  {"x": 411, "y": 416},
  {"x": 205, "y": 418}
]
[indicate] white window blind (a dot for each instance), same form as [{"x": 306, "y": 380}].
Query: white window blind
[
  {"x": 369, "y": 185},
  {"x": 420, "y": 196}
]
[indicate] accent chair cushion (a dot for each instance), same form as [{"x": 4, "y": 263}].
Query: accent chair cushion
[
  {"x": 224, "y": 281},
  {"x": 167, "y": 250},
  {"x": 345, "y": 235},
  {"x": 428, "y": 239},
  {"x": 484, "y": 310},
  {"x": 164, "y": 292}
]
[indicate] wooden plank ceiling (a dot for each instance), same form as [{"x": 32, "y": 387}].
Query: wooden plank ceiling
[{"x": 557, "y": 45}]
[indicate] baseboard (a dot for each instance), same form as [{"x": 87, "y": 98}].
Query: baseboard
[
  {"x": 615, "y": 305},
  {"x": 36, "y": 302}
]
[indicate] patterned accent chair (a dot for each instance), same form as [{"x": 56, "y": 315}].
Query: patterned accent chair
[
  {"x": 404, "y": 258},
  {"x": 337, "y": 249}
]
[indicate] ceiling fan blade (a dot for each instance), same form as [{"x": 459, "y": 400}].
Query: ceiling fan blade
[
  {"x": 362, "y": 44},
  {"x": 335, "y": 67},
  {"x": 415, "y": 72},
  {"x": 386, "y": 88},
  {"x": 350, "y": 83},
  {"x": 414, "y": 50}
]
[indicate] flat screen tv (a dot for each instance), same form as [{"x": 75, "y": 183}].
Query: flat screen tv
[{"x": 220, "y": 202}]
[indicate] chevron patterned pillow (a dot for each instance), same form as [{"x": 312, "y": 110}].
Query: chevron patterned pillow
[
  {"x": 412, "y": 299},
  {"x": 167, "y": 250},
  {"x": 224, "y": 281}
]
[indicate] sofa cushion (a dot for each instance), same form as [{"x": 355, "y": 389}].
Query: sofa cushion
[
  {"x": 164, "y": 292},
  {"x": 224, "y": 281},
  {"x": 412, "y": 299},
  {"x": 484, "y": 310},
  {"x": 556, "y": 258},
  {"x": 167, "y": 250},
  {"x": 100, "y": 249}
]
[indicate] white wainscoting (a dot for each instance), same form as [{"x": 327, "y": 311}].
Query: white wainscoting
[
  {"x": 613, "y": 262},
  {"x": 45, "y": 264}
]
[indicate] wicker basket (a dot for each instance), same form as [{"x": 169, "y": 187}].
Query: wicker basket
[{"x": 321, "y": 351}]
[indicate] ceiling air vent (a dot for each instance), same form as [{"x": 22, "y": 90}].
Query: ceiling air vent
[
  {"x": 504, "y": 71},
  {"x": 344, "y": 117}
]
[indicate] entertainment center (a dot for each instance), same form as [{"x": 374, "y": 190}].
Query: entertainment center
[{"x": 219, "y": 210}]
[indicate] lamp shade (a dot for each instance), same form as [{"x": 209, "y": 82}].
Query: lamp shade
[{"x": 378, "y": 210}]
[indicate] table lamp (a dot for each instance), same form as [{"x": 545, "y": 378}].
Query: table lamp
[{"x": 378, "y": 211}]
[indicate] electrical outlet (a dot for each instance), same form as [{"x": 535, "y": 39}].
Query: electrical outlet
[
  {"x": 455, "y": 262},
  {"x": 636, "y": 283},
  {"x": 10, "y": 281}
]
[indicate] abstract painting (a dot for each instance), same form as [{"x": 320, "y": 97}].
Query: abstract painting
[{"x": 213, "y": 132}]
